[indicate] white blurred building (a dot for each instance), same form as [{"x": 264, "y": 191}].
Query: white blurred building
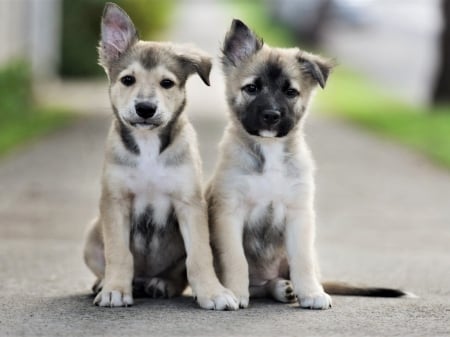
[{"x": 30, "y": 29}]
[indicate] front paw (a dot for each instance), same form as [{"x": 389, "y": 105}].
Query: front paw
[
  {"x": 243, "y": 301},
  {"x": 319, "y": 301},
  {"x": 221, "y": 299},
  {"x": 113, "y": 298},
  {"x": 242, "y": 296}
]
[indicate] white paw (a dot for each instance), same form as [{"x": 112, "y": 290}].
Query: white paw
[
  {"x": 113, "y": 298},
  {"x": 222, "y": 300},
  {"x": 283, "y": 291},
  {"x": 243, "y": 301},
  {"x": 317, "y": 301}
]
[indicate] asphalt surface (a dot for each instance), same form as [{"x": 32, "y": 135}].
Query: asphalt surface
[{"x": 383, "y": 219}]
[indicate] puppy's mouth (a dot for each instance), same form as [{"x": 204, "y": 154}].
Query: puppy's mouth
[
  {"x": 145, "y": 124},
  {"x": 267, "y": 133},
  {"x": 262, "y": 131}
]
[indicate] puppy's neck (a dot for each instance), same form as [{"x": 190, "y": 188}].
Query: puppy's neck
[
  {"x": 262, "y": 154},
  {"x": 149, "y": 141}
]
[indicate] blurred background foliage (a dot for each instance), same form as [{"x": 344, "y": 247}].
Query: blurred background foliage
[
  {"x": 20, "y": 119},
  {"x": 354, "y": 97},
  {"x": 350, "y": 94},
  {"x": 15, "y": 89},
  {"x": 81, "y": 30}
]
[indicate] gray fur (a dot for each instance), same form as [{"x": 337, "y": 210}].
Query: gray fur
[
  {"x": 166, "y": 234},
  {"x": 264, "y": 241},
  {"x": 170, "y": 131},
  {"x": 240, "y": 44},
  {"x": 127, "y": 138},
  {"x": 257, "y": 156}
]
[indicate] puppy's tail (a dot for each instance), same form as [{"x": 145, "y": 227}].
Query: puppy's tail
[{"x": 339, "y": 288}]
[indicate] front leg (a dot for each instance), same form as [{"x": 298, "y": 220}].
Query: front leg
[
  {"x": 300, "y": 235},
  {"x": 210, "y": 294},
  {"x": 115, "y": 222},
  {"x": 227, "y": 232}
]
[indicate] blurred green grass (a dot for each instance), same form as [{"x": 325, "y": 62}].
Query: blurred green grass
[
  {"x": 354, "y": 98},
  {"x": 255, "y": 14},
  {"x": 21, "y": 120},
  {"x": 81, "y": 30}
]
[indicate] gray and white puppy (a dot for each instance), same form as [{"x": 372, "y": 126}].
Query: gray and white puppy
[
  {"x": 261, "y": 197},
  {"x": 152, "y": 231}
]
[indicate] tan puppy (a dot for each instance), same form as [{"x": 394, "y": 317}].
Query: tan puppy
[
  {"x": 261, "y": 197},
  {"x": 152, "y": 231}
]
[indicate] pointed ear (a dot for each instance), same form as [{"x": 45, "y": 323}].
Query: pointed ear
[
  {"x": 196, "y": 61},
  {"x": 118, "y": 34},
  {"x": 315, "y": 67},
  {"x": 240, "y": 43}
]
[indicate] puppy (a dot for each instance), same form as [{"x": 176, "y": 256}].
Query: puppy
[
  {"x": 260, "y": 199},
  {"x": 152, "y": 231}
]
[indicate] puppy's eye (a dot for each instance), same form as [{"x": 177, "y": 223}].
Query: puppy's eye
[
  {"x": 166, "y": 83},
  {"x": 250, "y": 89},
  {"x": 128, "y": 80},
  {"x": 291, "y": 93}
]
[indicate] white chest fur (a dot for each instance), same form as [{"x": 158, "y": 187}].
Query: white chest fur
[
  {"x": 151, "y": 181},
  {"x": 272, "y": 183},
  {"x": 272, "y": 188}
]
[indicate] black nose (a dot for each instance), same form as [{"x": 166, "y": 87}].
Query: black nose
[
  {"x": 270, "y": 117},
  {"x": 145, "y": 109}
]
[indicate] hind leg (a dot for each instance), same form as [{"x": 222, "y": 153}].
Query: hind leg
[
  {"x": 169, "y": 283},
  {"x": 279, "y": 289},
  {"x": 94, "y": 256}
]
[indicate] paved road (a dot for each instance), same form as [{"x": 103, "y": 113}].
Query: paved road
[{"x": 383, "y": 215}]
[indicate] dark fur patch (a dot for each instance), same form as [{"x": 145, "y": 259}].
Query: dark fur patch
[
  {"x": 240, "y": 43},
  {"x": 149, "y": 59},
  {"x": 344, "y": 289},
  {"x": 169, "y": 132},
  {"x": 272, "y": 84},
  {"x": 273, "y": 71},
  {"x": 127, "y": 138},
  {"x": 143, "y": 224},
  {"x": 263, "y": 241},
  {"x": 317, "y": 71}
]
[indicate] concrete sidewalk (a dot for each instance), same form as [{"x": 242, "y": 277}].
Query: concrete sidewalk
[{"x": 383, "y": 218}]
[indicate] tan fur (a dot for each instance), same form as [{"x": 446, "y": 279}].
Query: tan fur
[
  {"x": 263, "y": 187},
  {"x": 152, "y": 226}
]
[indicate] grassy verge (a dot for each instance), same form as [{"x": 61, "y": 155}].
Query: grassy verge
[
  {"x": 20, "y": 120},
  {"x": 356, "y": 99}
]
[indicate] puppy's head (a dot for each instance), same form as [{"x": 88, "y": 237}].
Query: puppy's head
[
  {"x": 268, "y": 89},
  {"x": 147, "y": 79}
]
